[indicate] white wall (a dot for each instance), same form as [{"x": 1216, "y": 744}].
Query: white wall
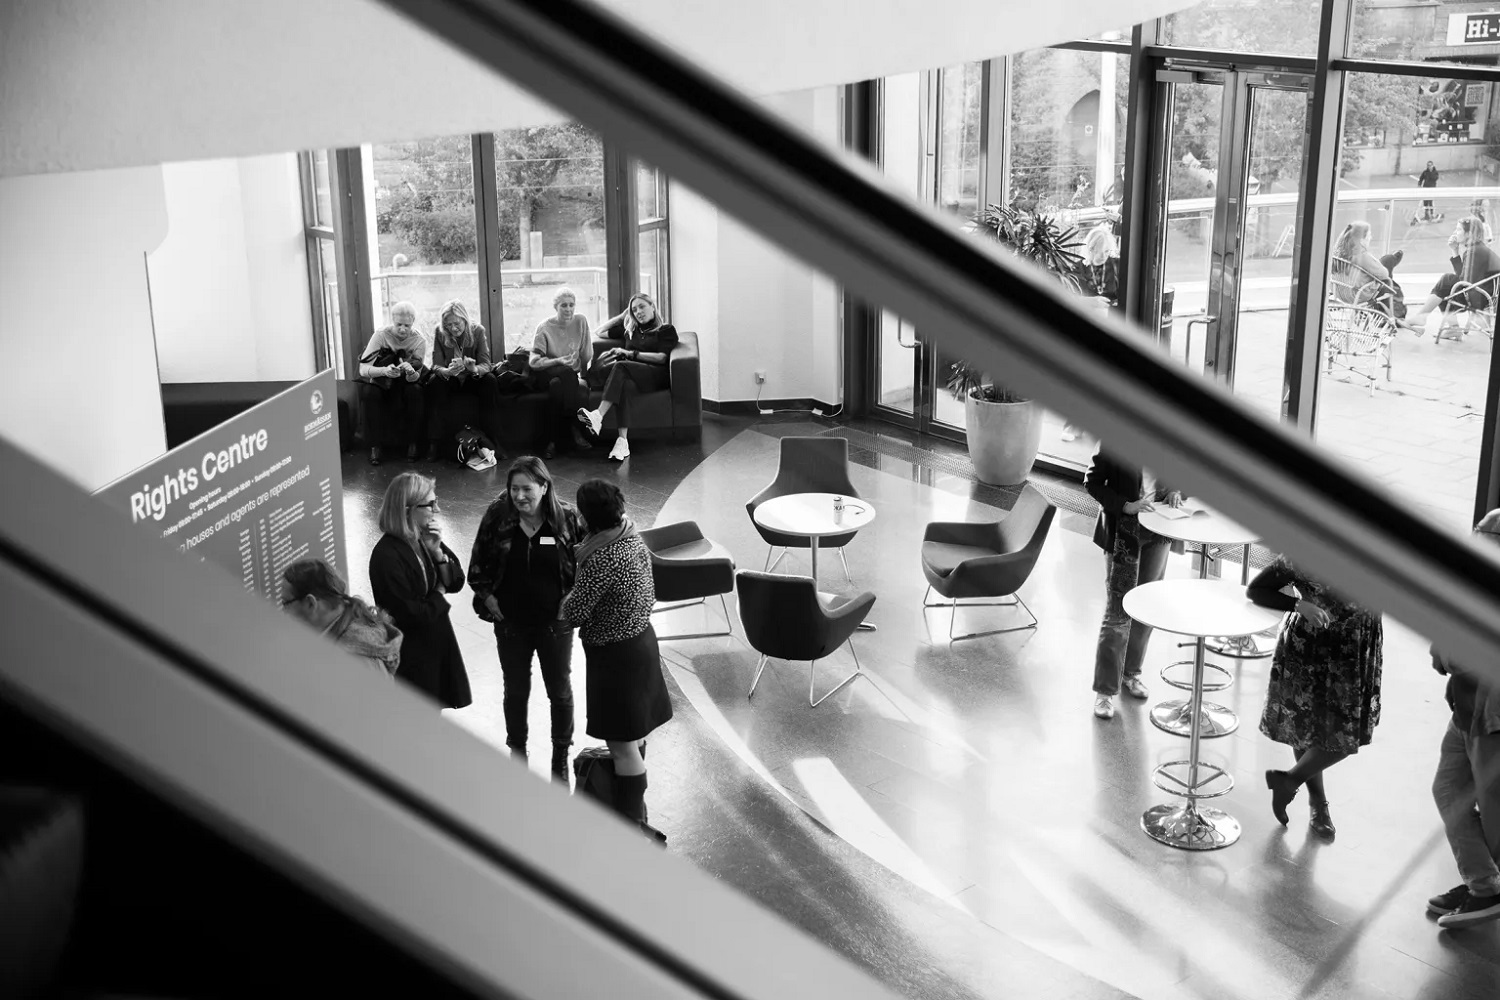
[
  {"x": 754, "y": 306},
  {"x": 229, "y": 284},
  {"x": 82, "y": 392}
]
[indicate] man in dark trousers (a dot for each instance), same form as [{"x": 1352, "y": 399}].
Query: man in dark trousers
[{"x": 1429, "y": 179}]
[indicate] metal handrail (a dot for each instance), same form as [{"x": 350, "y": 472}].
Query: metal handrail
[{"x": 828, "y": 208}]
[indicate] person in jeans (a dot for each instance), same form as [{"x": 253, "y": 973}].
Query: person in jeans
[
  {"x": 1468, "y": 776},
  {"x": 642, "y": 362},
  {"x": 520, "y": 570},
  {"x": 1132, "y": 556}
]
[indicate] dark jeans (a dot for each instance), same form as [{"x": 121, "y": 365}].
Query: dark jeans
[
  {"x": 1138, "y": 557},
  {"x": 446, "y": 409},
  {"x": 553, "y": 645},
  {"x": 645, "y": 378},
  {"x": 565, "y": 396},
  {"x": 1468, "y": 772},
  {"x": 393, "y": 415}
]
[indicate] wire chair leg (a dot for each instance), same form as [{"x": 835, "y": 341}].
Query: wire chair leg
[
  {"x": 812, "y": 666},
  {"x": 760, "y": 668},
  {"x": 772, "y": 565},
  {"x": 846, "y": 565}
]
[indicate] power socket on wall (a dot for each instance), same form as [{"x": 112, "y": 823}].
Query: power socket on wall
[{"x": 760, "y": 378}]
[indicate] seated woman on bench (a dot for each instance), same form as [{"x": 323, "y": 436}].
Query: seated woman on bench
[
  {"x": 389, "y": 371},
  {"x": 1477, "y": 271},
  {"x": 460, "y": 359},
  {"x": 642, "y": 362},
  {"x": 560, "y": 354}
]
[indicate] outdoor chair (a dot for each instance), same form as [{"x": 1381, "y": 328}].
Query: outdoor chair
[
  {"x": 786, "y": 617},
  {"x": 1470, "y": 306},
  {"x": 687, "y": 569},
  {"x": 1356, "y": 335},
  {"x": 966, "y": 561},
  {"x": 807, "y": 465}
]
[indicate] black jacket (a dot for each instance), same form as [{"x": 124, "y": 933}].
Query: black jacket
[
  {"x": 492, "y": 549},
  {"x": 406, "y": 588},
  {"x": 1114, "y": 483}
]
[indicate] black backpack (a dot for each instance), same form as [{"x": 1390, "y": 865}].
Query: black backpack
[{"x": 594, "y": 776}]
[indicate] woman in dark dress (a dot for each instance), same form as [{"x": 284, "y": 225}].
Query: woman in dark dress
[
  {"x": 521, "y": 568},
  {"x": 611, "y": 604},
  {"x": 410, "y": 571},
  {"x": 642, "y": 362},
  {"x": 1323, "y": 697}
]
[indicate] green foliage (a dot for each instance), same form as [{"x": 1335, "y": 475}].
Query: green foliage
[{"x": 1033, "y": 237}]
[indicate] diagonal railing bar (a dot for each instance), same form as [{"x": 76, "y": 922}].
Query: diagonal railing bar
[{"x": 839, "y": 215}]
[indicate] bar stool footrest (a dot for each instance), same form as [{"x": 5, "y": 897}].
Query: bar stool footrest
[
  {"x": 1163, "y": 778},
  {"x": 1214, "y": 721},
  {"x": 1187, "y": 685}
]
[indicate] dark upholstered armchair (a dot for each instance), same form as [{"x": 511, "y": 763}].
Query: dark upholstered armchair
[
  {"x": 808, "y": 465},
  {"x": 686, "y": 569},
  {"x": 785, "y": 617},
  {"x": 677, "y": 408},
  {"x": 964, "y": 561}
]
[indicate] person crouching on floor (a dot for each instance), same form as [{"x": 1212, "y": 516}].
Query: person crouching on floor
[{"x": 611, "y": 603}]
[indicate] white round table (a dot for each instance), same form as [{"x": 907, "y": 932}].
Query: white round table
[
  {"x": 813, "y": 516},
  {"x": 1196, "y": 608},
  {"x": 1206, "y": 528}
]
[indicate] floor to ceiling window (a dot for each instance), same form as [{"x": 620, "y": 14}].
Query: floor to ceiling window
[{"x": 497, "y": 221}]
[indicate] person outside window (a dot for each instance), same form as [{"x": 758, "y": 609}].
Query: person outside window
[
  {"x": 1428, "y": 179},
  {"x": 642, "y": 362},
  {"x": 521, "y": 567}
]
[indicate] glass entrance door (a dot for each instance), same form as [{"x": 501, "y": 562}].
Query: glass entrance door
[{"x": 1229, "y": 192}]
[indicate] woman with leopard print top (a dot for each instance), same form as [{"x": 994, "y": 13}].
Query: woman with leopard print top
[{"x": 611, "y": 603}]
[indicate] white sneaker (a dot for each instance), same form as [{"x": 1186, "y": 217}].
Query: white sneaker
[
  {"x": 592, "y": 420},
  {"x": 1104, "y": 706},
  {"x": 621, "y": 451},
  {"x": 1132, "y": 686}
]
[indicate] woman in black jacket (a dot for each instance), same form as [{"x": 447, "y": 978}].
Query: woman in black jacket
[
  {"x": 611, "y": 603},
  {"x": 520, "y": 570},
  {"x": 410, "y": 571},
  {"x": 1132, "y": 556}
]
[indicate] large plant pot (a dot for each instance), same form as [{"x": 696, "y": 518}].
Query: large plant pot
[{"x": 1003, "y": 439}]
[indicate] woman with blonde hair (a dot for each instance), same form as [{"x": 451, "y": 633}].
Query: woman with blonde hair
[
  {"x": 390, "y": 393},
  {"x": 642, "y": 362},
  {"x": 410, "y": 572},
  {"x": 460, "y": 362},
  {"x": 317, "y": 594},
  {"x": 561, "y": 350}
]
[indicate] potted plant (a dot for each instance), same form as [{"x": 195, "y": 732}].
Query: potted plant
[{"x": 1004, "y": 429}]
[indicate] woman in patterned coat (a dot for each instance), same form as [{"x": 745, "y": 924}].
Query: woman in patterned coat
[
  {"x": 1323, "y": 697},
  {"x": 611, "y": 604}
]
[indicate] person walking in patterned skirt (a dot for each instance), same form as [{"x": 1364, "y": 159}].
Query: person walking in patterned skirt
[
  {"x": 1323, "y": 696},
  {"x": 611, "y": 603}
]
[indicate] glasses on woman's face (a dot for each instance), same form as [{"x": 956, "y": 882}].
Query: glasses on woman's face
[{"x": 431, "y": 505}]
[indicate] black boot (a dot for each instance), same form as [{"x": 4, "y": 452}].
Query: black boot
[
  {"x": 1283, "y": 789},
  {"x": 375, "y": 455},
  {"x": 517, "y": 752},
  {"x": 1321, "y": 822},
  {"x": 630, "y": 796},
  {"x": 560, "y": 763}
]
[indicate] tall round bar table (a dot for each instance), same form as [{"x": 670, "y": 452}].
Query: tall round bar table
[
  {"x": 1206, "y": 529},
  {"x": 1196, "y": 608}
]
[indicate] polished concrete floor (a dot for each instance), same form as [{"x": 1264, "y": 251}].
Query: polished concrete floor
[{"x": 958, "y": 822}]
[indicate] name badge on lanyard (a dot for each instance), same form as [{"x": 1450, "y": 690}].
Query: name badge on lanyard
[{"x": 546, "y": 540}]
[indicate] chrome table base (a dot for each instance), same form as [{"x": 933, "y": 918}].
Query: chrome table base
[
  {"x": 1175, "y": 714},
  {"x": 1190, "y": 827}
]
